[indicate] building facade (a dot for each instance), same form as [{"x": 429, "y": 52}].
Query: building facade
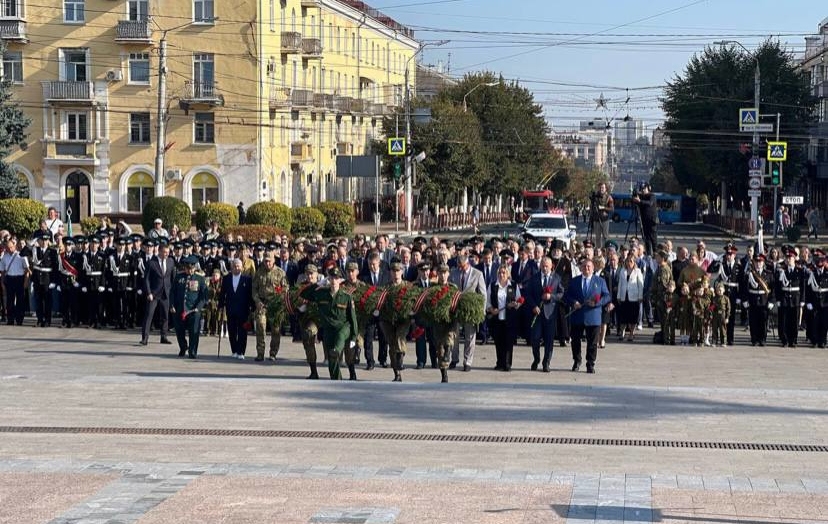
[
  {"x": 259, "y": 98},
  {"x": 587, "y": 149},
  {"x": 815, "y": 64}
]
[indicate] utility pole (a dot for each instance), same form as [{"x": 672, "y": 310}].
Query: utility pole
[
  {"x": 754, "y": 201},
  {"x": 775, "y": 186},
  {"x": 161, "y": 125}
]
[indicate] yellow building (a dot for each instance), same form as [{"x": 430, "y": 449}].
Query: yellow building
[{"x": 260, "y": 97}]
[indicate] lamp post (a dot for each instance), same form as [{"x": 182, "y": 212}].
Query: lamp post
[
  {"x": 473, "y": 89},
  {"x": 754, "y": 201}
]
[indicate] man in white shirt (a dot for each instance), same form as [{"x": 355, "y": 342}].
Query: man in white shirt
[
  {"x": 53, "y": 222},
  {"x": 14, "y": 268}
]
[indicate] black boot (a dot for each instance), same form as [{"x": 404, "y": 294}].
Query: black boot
[
  {"x": 313, "y": 374},
  {"x": 397, "y": 376},
  {"x": 444, "y": 373},
  {"x": 351, "y": 372}
]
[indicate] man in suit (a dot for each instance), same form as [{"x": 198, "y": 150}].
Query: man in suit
[
  {"x": 237, "y": 298},
  {"x": 375, "y": 276},
  {"x": 488, "y": 266},
  {"x": 587, "y": 294},
  {"x": 468, "y": 280},
  {"x": 158, "y": 278},
  {"x": 425, "y": 344},
  {"x": 542, "y": 296},
  {"x": 523, "y": 269}
]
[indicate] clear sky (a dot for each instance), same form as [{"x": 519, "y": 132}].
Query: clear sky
[{"x": 569, "y": 53}]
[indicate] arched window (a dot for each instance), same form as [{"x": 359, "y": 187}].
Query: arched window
[
  {"x": 140, "y": 188},
  {"x": 205, "y": 189}
]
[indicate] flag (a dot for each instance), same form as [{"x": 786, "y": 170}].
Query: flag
[{"x": 68, "y": 223}]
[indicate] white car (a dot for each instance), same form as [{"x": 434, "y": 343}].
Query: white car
[{"x": 549, "y": 226}]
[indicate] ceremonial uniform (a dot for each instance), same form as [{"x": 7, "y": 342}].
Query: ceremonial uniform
[
  {"x": 396, "y": 334},
  {"x": 662, "y": 291},
  {"x": 139, "y": 302},
  {"x": 265, "y": 283},
  {"x": 817, "y": 298},
  {"x": 44, "y": 264},
  {"x": 93, "y": 287},
  {"x": 790, "y": 281},
  {"x": 213, "y": 315},
  {"x": 121, "y": 289},
  {"x": 758, "y": 287},
  {"x": 731, "y": 277},
  {"x": 188, "y": 296},
  {"x": 69, "y": 266}
]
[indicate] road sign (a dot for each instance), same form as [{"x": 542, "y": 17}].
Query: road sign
[
  {"x": 778, "y": 151},
  {"x": 755, "y": 173},
  {"x": 755, "y": 183},
  {"x": 793, "y": 200},
  {"x": 748, "y": 116},
  {"x": 759, "y": 128},
  {"x": 754, "y": 192},
  {"x": 396, "y": 146},
  {"x": 756, "y": 162}
]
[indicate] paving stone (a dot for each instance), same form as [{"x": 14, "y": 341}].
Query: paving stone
[
  {"x": 690, "y": 482},
  {"x": 764, "y": 484},
  {"x": 815, "y": 486},
  {"x": 790, "y": 486},
  {"x": 716, "y": 483},
  {"x": 740, "y": 484}
]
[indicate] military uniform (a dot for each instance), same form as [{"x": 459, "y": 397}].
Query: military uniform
[
  {"x": 94, "y": 285},
  {"x": 265, "y": 283},
  {"x": 337, "y": 317},
  {"x": 396, "y": 334},
  {"x": 44, "y": 264},
  {"x": 731, "y": 277},
  {"x": 121, "y": 288},
  {"x": 700, "y": 316},
  {"x": 70, "y": 266},
  {"x": 758, "y": 286},
  {"x": 817, "y": 298},
  {"x": 444, "y": 333},
  {"x": 722, "y": 316},
  {"x": 213, "y": 316},
  {"x": 790, "y": 281},
  {"x": 187, "y": 298},
  {"x": 662, "y": 290}
]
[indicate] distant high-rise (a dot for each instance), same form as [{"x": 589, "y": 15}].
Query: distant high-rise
[{"x": 628, "y": 131}]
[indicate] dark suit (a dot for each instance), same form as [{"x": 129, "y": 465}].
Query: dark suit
[
  {"x": 238, "y": 303},
  {"x": 503, "y": 330},
  {"x": 543, "y": 327},
  {"x": 158, "y": 284},
  {"x": 410, "y": 273},
  {"x": 489, "y": 277},
  {"x": 522, "y": 278},
  {"x": 586, "y": 319},
  {"x": 372, "y": 328},
  {"x": 425, "y": 342},
  {"x": 610, "y": 276}
]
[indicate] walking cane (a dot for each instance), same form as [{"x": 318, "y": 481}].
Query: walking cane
[{"x": 221, "y": 327}]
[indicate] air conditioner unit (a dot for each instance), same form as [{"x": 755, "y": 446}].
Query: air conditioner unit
[
  {"x": 173, "y": 175},
  {"x": 114, "y": 75}
]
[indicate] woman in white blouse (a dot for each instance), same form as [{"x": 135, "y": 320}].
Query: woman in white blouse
[
  {"x": 630, "y": 294},
  {"x": 502, "y": 303}
]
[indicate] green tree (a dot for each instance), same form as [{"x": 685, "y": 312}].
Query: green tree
[
  {"x": 13, "y": 125},
  {"x": 707, "y": 152}
]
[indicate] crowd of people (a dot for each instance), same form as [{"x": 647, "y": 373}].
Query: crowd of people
[{"x": 533, "y": 291}]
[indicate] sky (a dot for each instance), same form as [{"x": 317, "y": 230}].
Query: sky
[{"x": 570, "y": 53}]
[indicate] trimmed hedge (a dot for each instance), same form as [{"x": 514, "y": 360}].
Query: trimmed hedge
[
  {"x": 307, "y": 221},
  {"x": 21, "y": 216},
  {"x": 269, "y": 214},
  {"x": 254, "y": 232},
  {"x": 170, "y": 210},
  {"x": 225, "y": 214},
  {"x": 339, "y": 218},
  {"x": 90, "y": 224}
]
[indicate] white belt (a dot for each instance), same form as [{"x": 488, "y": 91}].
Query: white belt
[
  {"x": 732, "y": 284},
  {"x": 94, "y": 273},
  {"x": 129, "y": 289},
  {"x": 791, "y": 289},
  {"x": 822, "y": 290},
  {"x": 757, "y": 291},
  {"x": 122, "y": 275},
  {"x": 43, "y": 269}
]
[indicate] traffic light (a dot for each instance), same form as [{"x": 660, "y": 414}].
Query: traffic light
[
  {"x": 397, "y": 171},
  {"x": 775, "y": 176}
]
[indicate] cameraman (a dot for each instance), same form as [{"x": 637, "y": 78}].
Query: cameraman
[
  {"x": 648, "y": 211},
  {"x": 601, "y": 207}
]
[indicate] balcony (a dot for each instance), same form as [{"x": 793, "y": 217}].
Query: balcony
[
  {"x": 291, "y": 42},
  {"x": 133, "y": 32},
  {"x": 319, "y": 101},
  {"x": 820, "y": 89},
  {"x": 79, "y": 152},
  {"x": 311, "y": 48},
  {"x": 280, "y": 98},
  {"x": 328, "y": 102},
  {"x": 301, "y": 98},
  {"x": 13, "y": 31},
  {"x": 300, "y": 153},
  {"x": 356, "y": 106},
  {"x": 378, "y": 109},
  {"x": 342, "y": 104},
  {"x": 200, "y": 95},
  {"x": 344, "y": 148},
  {"x": 69, "y": 92}
]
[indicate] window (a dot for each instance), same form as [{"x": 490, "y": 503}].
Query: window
[
  {"x": 139, "y": 68},
  {"x": 203, "y": 74},
  {"x": 10, "y": 9},
  {"x": 77, "y": 126},
  {"x": 205, "y": 128},
  {"x": 205, "y": 189},
  {"x": 338, "y": 40},
  {"x": 140, "y": 189},
  {"x": 138, "y": 10},
  {"x": 73, "y": 11},
  {"x": 13, "y": 66},
  {"x": 203, "y": 11},
  {"x": 272, "y": 16},
  {"x": 74, "y": 65},
  {"x": 139, "y": 128}
]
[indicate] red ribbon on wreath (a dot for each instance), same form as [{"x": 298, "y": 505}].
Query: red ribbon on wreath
[
  {"x": 382, "y": 298},
  {"x": 455, "y": 300},
  {"x": 419, "y": 303}
]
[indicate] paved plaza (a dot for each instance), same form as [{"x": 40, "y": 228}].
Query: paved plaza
[{"x": 95, "y": 428}]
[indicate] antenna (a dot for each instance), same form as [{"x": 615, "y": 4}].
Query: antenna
[{"x": 448, "y": 64}]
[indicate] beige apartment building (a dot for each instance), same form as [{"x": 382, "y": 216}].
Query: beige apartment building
[{"x": 260, "y": 97}]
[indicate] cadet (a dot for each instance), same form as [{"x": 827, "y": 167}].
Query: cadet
[
  {"x": 395, "y": 333},
  {"x": 337, "y": 317},
  {"x": 44, "y": 264},
  {"x": 444, "y": 333},
  {"x": 307, "y": 320},
  {"x": 790, "y": 279},
  {"x": 731, "y": 273},
  {"x": 759, "y": 296},
  {"x": 94, "y": 265},
  {"x": 121, "y": 274},
  {"x": 817, "y": 298},
  {"x": 661, "y": 293},
  {"x": 351, "y": 285},
  {"x": 265, "y": 281},
  {"x": 721, "y": 315},
  {"x": 187, "y": 297}
]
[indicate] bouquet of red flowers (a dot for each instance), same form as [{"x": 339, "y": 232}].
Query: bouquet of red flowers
[
  {"x": 417, "y": 333},
  {"x": 276, "y": 307}
]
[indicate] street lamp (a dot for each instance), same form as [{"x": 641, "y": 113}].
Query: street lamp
[
  {"x": 754, "y": 201},
  {"x": 487, "y": 84}
]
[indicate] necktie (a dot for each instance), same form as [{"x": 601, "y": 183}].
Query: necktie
[
  {"x": 545, "y": 281},
  {"x": 163, "y": 266},
  {"x": 586, "y": 286},
  {"x": 463, "y": 282},
  {"x": 487, "y": 273},
  {"x": 425, "y": 283},
  {"x": 374, "y": 278}
]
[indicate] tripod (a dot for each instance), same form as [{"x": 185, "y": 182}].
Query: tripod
[
  {"x": 635, "y": 218},
  {"x": 592, "y": 217}
]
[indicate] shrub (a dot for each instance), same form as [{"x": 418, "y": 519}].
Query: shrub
[
  {"x": 339, "y": 218},
  {"x": 254, "y": 232},
  {"x": 90, "y": 224},
  {"x": 793, "y": 233},
  {"x": 307, "y": 221},
  {"x": 170, "y": 210},
  {"x": 225, "y": 214},
  {"x": 269, "y": 214},
  {"x": 21, "y": 216}
]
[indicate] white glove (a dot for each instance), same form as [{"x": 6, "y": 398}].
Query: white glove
[
  {"x": 810, "y": 307},
  {"x": 303, "y": 308},
  {"x": 376, "y": 312},
  {"x": 352, "y": 345},
  {"x": 101, "y": 289},
  {"x": 84, "y": 289},
  {"x": 770, "y": 305},
  {"x": 76, "y": 284},
  {"x": 52, "y": 285},
  {"x": 140, "y": 292},
  {"x": 738, "y": 301},
  {"x": 779, "y": 304},
  {"x": 58, "y": 288}
]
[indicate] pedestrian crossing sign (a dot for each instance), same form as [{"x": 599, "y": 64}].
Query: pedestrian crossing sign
[
  {"x": 748, "y": 117},
  {"x": 777, "y": 151},
  {"x": 396, "y": 146}
]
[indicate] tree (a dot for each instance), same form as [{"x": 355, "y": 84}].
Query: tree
[
  {"x": 664, "y": 179},
  {"x": 707, "y": 152},
  {"x": 13, "y": 124}
]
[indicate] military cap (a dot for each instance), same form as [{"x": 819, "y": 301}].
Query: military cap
[
  {"x": 68, "y": 241},
  {"x": 396, "y": 266},
  {"x": 135, "y": 237},
  {"x": 420, "y": 240},
  {"x": 506, "y": 253},
  {"x": 204, "y": 244},
  {"x": 351, "y": 266},
  {"x": 122, "y": 241},
  {"x": 424, "y": 266},
  {"x": 311, "y": 268},
  {"x": 334, "y": 272},
  {"x": 272, "y": 246},
  {"x": 662, "y": 254},
  {"x": 259, "y": 246},
  {"x": 79, "y": 239},
  {"x": 178, "y": 245},
  {"x": 611, "y": 244},
  {"x": 42, "y": 235},
  {"x": 819, "y": 254},
  {"x": 191, "y": 260},
  {"x": 730, "y": 248},
  {"x": 150, "y": 242},
  {"x": 443, "y": 268},
  {"x": 311, "y": 249},
  {"x": 187, "y": 243},
  {"x": 588, "y": 243},
  {"x": 95, "y": 239},
  {"x": 790, "y": 252},
  {"x": 230, "y": 247},
  {"x": 270, "y": 256},
  {"x": 759, "y": 257}
]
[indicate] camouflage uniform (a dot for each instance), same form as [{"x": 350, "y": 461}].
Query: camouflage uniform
[
  {"x": 662, "y": 292},
  {"x": 307, "y": 322},
  {"x": 721, "y": 315},
  {"x": 213, "y": 316},
  {"x": 683, "y": 310},
  {"x": 670, "y": 319},
  {"x": 264, "y": 290},
  {"x": 700, "y": 313}
]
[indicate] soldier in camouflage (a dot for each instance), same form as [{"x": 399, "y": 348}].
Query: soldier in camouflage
[{"x": 266, "y": 281}]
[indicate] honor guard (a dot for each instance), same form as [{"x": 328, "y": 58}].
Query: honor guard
[
  {"x": 70, "y": 265},
  {"x": 120, "y": 286},
  {"x": 731, "y": 277},
  {"x": 94, "y": 282},
  {"x": 817, "y": 298},
  {"x": 790, "y": 280},
  {"x": 139, "y": 260},
  {"x": 44, "y": 264},
  {"x": 758, "y": 285}
]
